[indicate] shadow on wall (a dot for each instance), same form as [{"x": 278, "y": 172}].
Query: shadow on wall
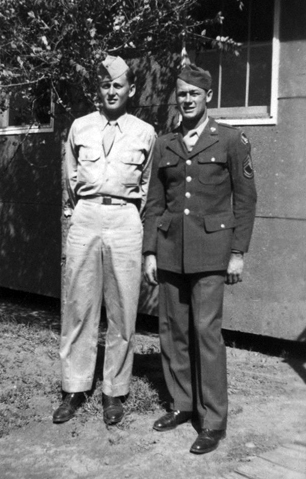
[
  {"x": 298, "y": 366},
  {"x": 154, "y": 101},
  {"x": 30, "y": 212}
]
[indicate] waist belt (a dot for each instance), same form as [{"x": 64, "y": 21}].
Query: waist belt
[{"x": 109, "y": 200}]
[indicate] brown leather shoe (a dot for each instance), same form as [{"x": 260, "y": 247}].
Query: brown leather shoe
[
  {"x": 207, "y": 441},
  {"x": 171, "y": 420},
  {"x": 112, "y": 409},
  {"x": 68, "y": 407}
]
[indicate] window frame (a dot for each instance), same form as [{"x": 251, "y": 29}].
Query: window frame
[
  {"x": 261, "y": 115},
  {"x": 29, "y": 129}
]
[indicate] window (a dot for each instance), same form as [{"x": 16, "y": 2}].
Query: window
[
  {"x": 245, "y": 86},
  {"x": 19, "y": 114}
]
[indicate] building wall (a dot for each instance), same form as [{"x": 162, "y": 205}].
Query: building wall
[
  {"x": 271, "y": 300},
  {"x": 30, "y": 212}
]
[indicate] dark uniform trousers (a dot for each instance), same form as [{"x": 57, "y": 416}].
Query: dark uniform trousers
[{"x": 193, "y": 351}]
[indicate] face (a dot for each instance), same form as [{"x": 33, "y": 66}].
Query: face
[
  {"x": 114, "y": 95},
  {"x": 191, "y": 101}
]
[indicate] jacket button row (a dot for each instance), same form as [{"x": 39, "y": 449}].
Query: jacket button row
[{"x": 186, "y": 211}]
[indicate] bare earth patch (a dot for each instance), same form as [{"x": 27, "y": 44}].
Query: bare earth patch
[{"x": 267, "y": 408}]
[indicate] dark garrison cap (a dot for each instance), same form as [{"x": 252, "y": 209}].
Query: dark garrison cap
[{"x": 196, "y": 76}]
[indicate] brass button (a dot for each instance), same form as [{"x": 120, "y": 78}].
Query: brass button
[
  {"x": 222, "y": 226},
  {"x": 188, "y": 162},
  {"x": 188, "y": 179},
  {"x": 186, "y": 211},
  {"x": 213, "y": 159},
  {"x": 187, "y": 194}
]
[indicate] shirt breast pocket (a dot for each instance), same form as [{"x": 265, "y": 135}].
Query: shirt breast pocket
[
  {"x": 213, "y": 169},
  {"x": 89, "y": 169},
  {"x": 131, "y": 170}
]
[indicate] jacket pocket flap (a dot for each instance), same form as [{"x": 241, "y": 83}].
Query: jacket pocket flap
[
  {"x": 164, "y": 222},
  {"x": 212, "y": 159},
  {"x": 168, "y": 161},
  {"x": 219, "y": 222}
]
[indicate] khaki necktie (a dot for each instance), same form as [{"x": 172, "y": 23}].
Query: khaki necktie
[
  {"x": 190, "y": 139},
  {"x": 109, "y": 137}
]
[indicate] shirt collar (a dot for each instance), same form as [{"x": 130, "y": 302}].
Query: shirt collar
[
  {"x": 197, "y": 130},
  {"x": 120, "y": 121}
]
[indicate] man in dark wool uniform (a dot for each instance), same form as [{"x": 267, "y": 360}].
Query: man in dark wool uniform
[{"x": 199, "y": 220}]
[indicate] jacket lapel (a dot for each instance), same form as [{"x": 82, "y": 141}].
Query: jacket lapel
[
  {"x": 209, "y": 136},
  {"x": 175, "y": 143}
]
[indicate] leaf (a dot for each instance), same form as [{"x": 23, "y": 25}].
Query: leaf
[{"x": 44, "y": 40}]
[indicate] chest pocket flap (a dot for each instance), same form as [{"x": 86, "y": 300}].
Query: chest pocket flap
[
  {"x": 169, "y": 160},
  {"x": 211, "y": 158}
]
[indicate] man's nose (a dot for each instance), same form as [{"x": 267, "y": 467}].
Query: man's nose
[
  {"x": 188, "y": 98},
  {"x": 111, "y": 90}
]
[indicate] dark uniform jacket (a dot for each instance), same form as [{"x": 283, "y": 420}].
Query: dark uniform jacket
[{"x": 201, "y": 204}]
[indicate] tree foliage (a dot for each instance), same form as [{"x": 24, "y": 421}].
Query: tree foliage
[{"x": 60, "y": 42}]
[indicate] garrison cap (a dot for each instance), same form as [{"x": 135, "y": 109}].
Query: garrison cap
[
  {"x": 196, "y": 76},
  {"x": 112, "y": 67}
]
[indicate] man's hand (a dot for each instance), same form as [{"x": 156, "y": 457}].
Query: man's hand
[
  {"x": 235, "y": 268},
  {"x": 150, "y": 269}
]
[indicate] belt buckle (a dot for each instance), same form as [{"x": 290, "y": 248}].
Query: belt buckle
[{"x": 106, "y": 200}]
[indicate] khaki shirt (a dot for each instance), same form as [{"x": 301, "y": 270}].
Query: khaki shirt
[{"x": 124, "y": 173}]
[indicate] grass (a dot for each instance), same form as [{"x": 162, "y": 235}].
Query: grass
[{"x": 30, "y": 372}]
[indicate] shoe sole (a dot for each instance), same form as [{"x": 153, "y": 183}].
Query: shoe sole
[{"x": 164, "y": 429}]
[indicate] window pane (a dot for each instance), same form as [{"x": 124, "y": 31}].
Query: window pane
[
  {"x": 233, "y": 79},
  {"x": 260, "y": 75},
  {"x": 29, "y": 110}
]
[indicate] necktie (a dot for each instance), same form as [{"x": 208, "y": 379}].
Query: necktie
[
  {"x": 190, "y": 139},
  {"x": 109, "y": 137}
]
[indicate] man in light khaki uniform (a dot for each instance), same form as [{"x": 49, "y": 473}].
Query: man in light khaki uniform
[{"x": 108, "y": 164}]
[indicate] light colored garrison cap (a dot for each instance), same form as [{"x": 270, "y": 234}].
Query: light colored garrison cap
[{"x": 113, "y": 67}]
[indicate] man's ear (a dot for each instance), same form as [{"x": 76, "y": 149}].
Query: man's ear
[
  {"x": 209, "y": 95},
  {"x": 132, "y": 90}
]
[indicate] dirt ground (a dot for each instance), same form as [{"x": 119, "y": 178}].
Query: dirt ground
[{"x": 267, "y": 407}]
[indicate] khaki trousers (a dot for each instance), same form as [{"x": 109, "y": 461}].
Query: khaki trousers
[
  {"x": 192, "y": 347},
  {"x": 103, "y": 257}
]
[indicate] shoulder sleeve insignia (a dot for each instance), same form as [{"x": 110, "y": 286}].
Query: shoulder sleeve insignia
[
  {"x": 248, "y": 171},
  {"x": 244, "y": 139}
]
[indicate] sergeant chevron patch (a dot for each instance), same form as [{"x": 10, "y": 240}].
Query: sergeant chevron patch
[{"x": 248, "y": 170}]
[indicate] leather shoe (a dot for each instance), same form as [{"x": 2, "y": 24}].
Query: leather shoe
[
  {"x": 112, "y": 409},
  {"x": 68, "y": 407},
  {"x": 207, "y": 441},
  {"x": 171, "y": 420}
]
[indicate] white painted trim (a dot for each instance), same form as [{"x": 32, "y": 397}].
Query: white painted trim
[
  {"x": 251, "y": 115},
  {"x": 28, "y": 129}
]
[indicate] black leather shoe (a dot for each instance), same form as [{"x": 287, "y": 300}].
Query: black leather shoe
[
  {"x": 171, "y": 420},
  {"x": 207, "y": 441},
  {"x": 112, "y": 409},
  {"x": 68, "y": 407}
]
